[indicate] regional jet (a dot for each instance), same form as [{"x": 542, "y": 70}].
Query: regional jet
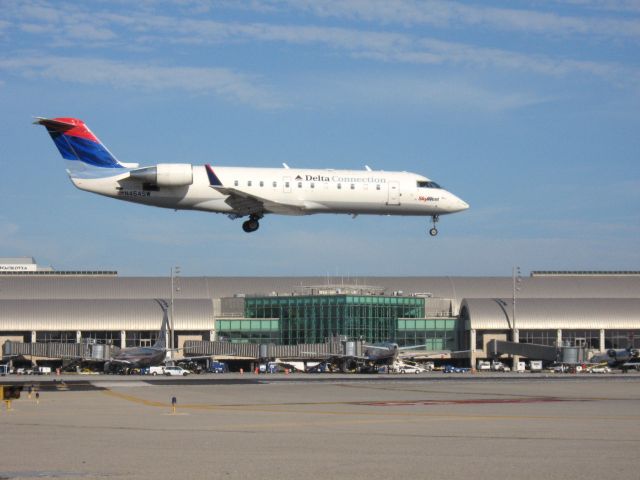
[
  {"x": 140, "y": 357},
  {"x": 246, "y": 192}
]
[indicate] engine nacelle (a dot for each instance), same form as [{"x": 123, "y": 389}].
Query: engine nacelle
[{"x": 165, "y": 175}]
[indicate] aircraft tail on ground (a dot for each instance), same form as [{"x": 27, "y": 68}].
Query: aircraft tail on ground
[
  {"x": 79, "y": 146},
  {"x": 161, "y": 342}
]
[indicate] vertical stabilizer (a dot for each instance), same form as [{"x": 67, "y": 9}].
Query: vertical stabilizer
[
  {"x": 79, "y": 146},
  {"x": 161, "y": 342}
]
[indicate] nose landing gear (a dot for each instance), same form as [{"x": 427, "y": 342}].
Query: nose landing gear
[
  {"x": 252, "y": 224},
  {"x": 434, "y": 231}
]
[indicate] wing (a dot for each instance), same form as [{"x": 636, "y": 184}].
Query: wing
[{"x": 244, "y": 203}]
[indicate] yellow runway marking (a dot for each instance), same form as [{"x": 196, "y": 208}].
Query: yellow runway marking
[{"x": 372, "y": 411}]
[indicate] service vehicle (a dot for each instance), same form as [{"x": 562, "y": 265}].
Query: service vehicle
[
  {"x": 218, "y": 367},
  {"x": 410, "y": 369},
  {"x": 484, "y": 365},
  {"x": 158, "y": 370},
  {"x": 454, "y": 369},
  {"x": 173, "y": 371},
  {"x": 633, "y": 364},
  {"x": 535, "y": 366},
  {"x": 497, "y": 366},
  {"x": 599, "y": 369}
]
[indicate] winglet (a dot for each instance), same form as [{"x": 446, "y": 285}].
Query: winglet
[{"x": 214, "y": 181}]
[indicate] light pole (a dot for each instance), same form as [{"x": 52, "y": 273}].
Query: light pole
[
  {"x": 515, "y": 337},
  {"x": 175, "y": 287}
]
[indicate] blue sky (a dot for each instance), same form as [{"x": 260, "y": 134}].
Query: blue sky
[{"x": 529, "y": 111}]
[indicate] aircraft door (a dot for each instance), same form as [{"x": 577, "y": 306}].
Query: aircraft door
[
  {"x": 394, "y": 193},
  {"x": 286, "y": 184}
]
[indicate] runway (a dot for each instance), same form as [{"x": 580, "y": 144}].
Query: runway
[{"x": 372, "y": 427}]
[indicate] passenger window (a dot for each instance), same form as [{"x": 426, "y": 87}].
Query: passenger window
[
  {"x": 339, "y": 186},
  {"x": 378, "y": 187},
  {"x": 286, "y": 184},
  {"x": 275, "y": 184},
  {"x": 353, "y": 187},
  {"x": 235, "y": 183},
  {"x": 299, "y": 184},
  {"x": 313, "y": 185},
  {"x": 249, "y": 183},
  {"x": 261, "y": 183}
]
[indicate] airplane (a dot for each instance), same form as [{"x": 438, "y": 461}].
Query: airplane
[
  {"x": 141, "y": 357},
  {"x": 246, "y": 192},
  {"x": 374, "y": 354},
  {"x": 615, "y": 357}
]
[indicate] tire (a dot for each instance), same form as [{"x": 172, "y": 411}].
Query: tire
[{"x": 154, "y": 373}]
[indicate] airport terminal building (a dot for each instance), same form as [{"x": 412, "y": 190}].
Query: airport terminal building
[{"x": 598, "y": 309}]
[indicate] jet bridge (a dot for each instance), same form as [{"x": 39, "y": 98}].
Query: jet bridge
[
  {"x": 83, "y": 351},
  {"x": 532, "y": 351}
]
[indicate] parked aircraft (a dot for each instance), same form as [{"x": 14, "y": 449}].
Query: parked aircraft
[
  {"x": 616, "y": 357},
  {"x": 246, "y": 192},
  {"x": 373, "y": 355},
  {"x": 140, "y": 357}
]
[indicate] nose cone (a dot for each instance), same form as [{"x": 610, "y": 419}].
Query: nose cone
[{"x": 456, "y": 204}]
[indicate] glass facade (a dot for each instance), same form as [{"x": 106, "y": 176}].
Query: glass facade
[
  {"x": 56, "y": 337},
  {"x": 622, "y": 339},
  {"x": 318, "y": 318},
  {"x": 434, "y": 333},
  {"x": 588, "y": 338},
  {"x": 141, "y": 338},
  {"x": 245, "y": 330},
  {"x": 539, "y": 337},
  {"x": 105, "y": 337}
]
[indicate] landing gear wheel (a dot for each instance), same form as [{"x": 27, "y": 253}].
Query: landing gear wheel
[
  {"x": 251, "y": 225},
  {"x": 434, "y": 231}
]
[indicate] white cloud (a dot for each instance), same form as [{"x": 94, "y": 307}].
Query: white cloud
[
  {"x": 143, "y": 28},
  {"x": 410, "y": 90},
  {"x": 448, "y": 13},
  {"x": 218, "y": 81},
  {"x": 389, "y": 47}
]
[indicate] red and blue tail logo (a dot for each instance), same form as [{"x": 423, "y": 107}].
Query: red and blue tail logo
[{"x": 77, "y": 143}]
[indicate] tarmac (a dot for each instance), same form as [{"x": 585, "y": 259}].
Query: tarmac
[{"x": 325, "y": 426}]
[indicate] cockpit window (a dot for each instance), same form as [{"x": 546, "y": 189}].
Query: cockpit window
[{"x": 423, "y": 184}]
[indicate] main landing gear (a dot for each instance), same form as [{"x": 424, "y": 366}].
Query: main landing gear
[
  {"x": 252, "y": 224},
  {"x": 434, "y": 231}
]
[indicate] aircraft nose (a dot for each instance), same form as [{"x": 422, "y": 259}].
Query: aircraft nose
[{"x": 457, "y": 204}]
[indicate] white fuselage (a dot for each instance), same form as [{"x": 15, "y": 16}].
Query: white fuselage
[{"x": 308, "y": 191}]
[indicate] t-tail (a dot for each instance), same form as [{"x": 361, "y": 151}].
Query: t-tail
[
  {"x": 161, "y": 342},
  {"x": 84, "y": 152}
]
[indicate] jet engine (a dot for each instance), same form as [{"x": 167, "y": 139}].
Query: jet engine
[{"x": 165, "y": 175}]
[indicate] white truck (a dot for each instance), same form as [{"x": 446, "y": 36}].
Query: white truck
[
  {"x": 484, "y": 365},
  {"x": 156, "y": 370},
  {"x": 179, "y": 371},
  {"x": 498, "y": 366},
  {"x": 535, "y": 366}
]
